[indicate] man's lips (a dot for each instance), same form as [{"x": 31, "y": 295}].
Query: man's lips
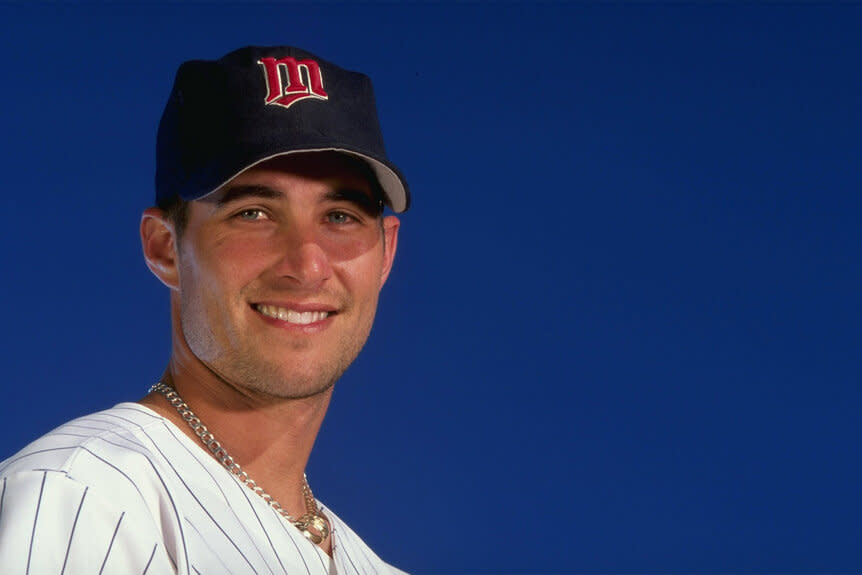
[{"x": 292, "y": 316}]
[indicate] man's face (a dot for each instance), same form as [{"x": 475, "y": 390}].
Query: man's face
[{"x": 280, "y": 271}]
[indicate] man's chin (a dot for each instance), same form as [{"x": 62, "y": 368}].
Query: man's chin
[
  {"x": 292, "y": 385},
  {"x": 302, "y": 390}
]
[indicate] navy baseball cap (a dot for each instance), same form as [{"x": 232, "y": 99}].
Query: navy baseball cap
[{"x": 225, "y": 116}]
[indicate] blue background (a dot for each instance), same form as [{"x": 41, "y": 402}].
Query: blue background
[{"x": 623, "y": 329}]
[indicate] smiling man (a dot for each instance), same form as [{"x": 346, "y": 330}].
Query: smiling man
[{"x": 269, "y": 231}]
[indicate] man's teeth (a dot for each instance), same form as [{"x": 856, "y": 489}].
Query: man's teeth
[{"x": 291, "y": 316}]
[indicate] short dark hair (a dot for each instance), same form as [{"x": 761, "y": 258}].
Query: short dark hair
[{"x": 176, "y": 210}]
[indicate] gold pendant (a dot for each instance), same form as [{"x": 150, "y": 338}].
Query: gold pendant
[{"x": 315, "y": 527}]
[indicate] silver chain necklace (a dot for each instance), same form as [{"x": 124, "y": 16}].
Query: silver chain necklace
[{"x": 313, "y": 523}]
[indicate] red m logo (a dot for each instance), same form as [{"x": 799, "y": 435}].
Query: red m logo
[{"x": 293, "y": 85}]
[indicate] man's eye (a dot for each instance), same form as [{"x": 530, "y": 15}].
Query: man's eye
[
  {"x": 339, "y": 218},
  {"x": 251, "y": 215}
]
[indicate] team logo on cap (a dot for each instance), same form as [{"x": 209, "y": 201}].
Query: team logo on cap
[{"x": 289, "y": 80}]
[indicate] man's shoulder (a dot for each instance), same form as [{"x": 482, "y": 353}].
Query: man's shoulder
[
  {"x": 85, "y": 489},
  {"x": 114, "y": 437}
]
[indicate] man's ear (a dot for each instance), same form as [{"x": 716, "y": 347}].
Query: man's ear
[
  {"x": 390, "y": 239},
  {"x": 159, "y": 241}
]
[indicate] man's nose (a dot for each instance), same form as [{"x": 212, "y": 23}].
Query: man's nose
[{"x": 303, "y": 257}]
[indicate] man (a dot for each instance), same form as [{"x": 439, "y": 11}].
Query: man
[{"x": 271, "y": 180}]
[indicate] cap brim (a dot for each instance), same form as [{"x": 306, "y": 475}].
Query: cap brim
[{"x": 390, "y": 180}]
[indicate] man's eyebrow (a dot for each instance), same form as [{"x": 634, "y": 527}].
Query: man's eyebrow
[
  {"x": 362, "y": 200},
  {"x": 357, "y": 197},
  {"x": 234, "y": 193}
]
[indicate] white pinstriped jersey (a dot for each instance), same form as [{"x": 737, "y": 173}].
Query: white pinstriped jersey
[{"x": 124, "y": 491}]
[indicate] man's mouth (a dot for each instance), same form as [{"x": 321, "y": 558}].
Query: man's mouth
[{"x": 291, "y": 316}]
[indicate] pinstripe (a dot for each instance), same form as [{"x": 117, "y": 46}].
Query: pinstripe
[
  {"x": 206, "y": 543},
  {"x": 299, "y": 552},
  {"x": 167, "y": 459},
  {"x": 112, "y": 416},
  {"x": 318, "y": 553},
  {"x": 73, "y": 447},
  {"x": 115, "y": 468},
  {"x": 153, "y": 554},
  {"x": 67, "y": 434},
  {"x": 36, "y": 520},
  {"x": 324, "y": 561},
  {"x": 369, "y": 564},
  {"x": 356, "y": 543},
  {"x": 12, "y": 460},
  {"x": 352, "y": 564},
  {"x": 161, "y": 480},
  {"x": 111, "y": 544},
  {"x": 208, "y": 514},
  {"x": 218, "y": 485},
  {"x": 166, "y": 490},
  {"x": 138, "y": 410},
  {"x": 243, "y": 491},
  {"x": 189, "y": 489},
  {"x": 2, "y": 496},
  {"x": 72, "y": 534},
  {"x": 345, "y": 535},
  {"x": 73, "y": 424},
  {"x": 141, "y": 451}
]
